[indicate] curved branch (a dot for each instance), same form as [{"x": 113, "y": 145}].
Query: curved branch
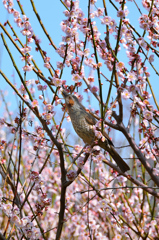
[
  {"x": 133, "y": 180},
  {"x": 137, "y": 151}
]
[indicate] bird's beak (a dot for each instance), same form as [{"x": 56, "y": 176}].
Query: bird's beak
[{"x": 64, "y": 93}]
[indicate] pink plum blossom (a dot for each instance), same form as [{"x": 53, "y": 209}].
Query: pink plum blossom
[
  {"x": 148, "y": 115},
  {"x": 125, "y": 94},
  {"x": 35, "y": 103},
  {"x": 71, "y": 175}
]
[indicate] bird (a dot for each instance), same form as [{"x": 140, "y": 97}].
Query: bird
[{"x": 83, "y": 124}]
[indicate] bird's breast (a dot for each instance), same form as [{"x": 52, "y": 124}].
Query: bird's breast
[{"x": 82, "y": 128}]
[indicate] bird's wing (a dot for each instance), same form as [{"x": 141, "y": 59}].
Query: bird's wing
[{"x": 90, "y": 119}]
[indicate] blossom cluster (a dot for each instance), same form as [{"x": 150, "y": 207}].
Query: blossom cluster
[{"x": 99, "y": 201}]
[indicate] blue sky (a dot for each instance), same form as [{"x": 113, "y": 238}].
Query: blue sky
[{"x": 51, "y": 14}]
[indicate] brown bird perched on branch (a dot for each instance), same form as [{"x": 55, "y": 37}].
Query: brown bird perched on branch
[{"x": 83, "y": 123}]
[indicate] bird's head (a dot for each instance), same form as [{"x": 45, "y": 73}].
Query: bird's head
[{"x": 71, "y": 101}]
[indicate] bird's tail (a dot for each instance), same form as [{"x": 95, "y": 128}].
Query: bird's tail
[{"x": 119, "y": 161}]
